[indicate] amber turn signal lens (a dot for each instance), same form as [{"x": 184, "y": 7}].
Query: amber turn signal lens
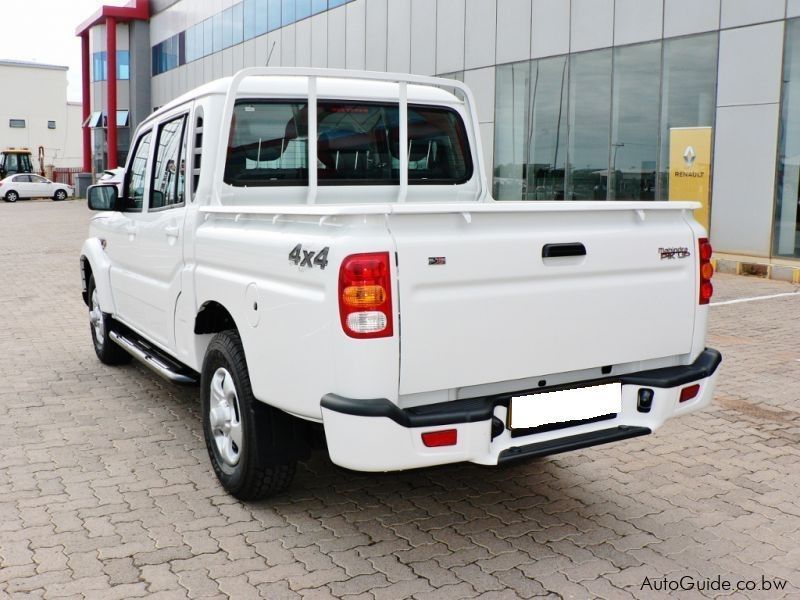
[
  {"x": 706, "y": 270},
  {"x": 364, "y": 295}
]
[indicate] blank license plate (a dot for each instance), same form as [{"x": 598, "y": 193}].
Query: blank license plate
[{"x": 578, "y": 404}]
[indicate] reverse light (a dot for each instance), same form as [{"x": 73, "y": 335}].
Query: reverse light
[
  {"x": 706, "y": 270},
  {"x": 690, "y": 392},
  {"x": 365, "y": 295},
  {"x": 444, "y": 437}
]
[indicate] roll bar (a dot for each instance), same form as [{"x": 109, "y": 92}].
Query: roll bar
[{"x": 312, "y": 76}]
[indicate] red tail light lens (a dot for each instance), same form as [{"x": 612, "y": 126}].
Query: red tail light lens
[
  {"x": 690, "y": 392},
  {"x": 706, "y": 270},
  {"x": 365, "y": 295},
  {"x": 445, "y": 437}
]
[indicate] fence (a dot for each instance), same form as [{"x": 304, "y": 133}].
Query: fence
[{"x": 65, "y": 175}]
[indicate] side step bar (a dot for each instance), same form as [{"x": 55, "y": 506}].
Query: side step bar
[
  {"x": 153, "y": 358},
  {"x": 573, "y": 442}
]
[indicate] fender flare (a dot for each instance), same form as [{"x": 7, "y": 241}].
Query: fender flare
[{"x": 100, "y": 265}]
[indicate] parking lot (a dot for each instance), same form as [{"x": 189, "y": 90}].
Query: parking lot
[{"x": 106, "y": 490}]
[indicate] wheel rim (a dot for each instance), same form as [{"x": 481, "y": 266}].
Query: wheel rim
[
  {"x": 12, "y": 196},
  {"x": 96, "y": 319},
  {"x": 225, "y": 417},
  {"x": 61, "y": 195}
]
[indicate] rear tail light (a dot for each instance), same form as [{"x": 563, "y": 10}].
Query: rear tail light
[
  {"x": 706, "y": 271},
  {"x": 444, "y": 437},
  {"x": 365, "y": 295},
  {"x": 690, "y": 392}
]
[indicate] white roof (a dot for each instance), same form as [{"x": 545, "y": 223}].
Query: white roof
[{"x": 278, "y": 86}]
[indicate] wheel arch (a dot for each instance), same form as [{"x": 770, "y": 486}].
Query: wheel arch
[{"x": 95, "y": 262}]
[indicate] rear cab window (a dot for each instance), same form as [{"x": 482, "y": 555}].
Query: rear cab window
[{"x": 357, "y": 144}]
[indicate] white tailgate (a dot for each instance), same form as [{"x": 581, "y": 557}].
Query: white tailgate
[{"x": 497, "y": 311}]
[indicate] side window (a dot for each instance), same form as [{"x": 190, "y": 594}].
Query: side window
[
  {"x": 22, "y": 179},
  {"x": 169, "y": 169},
  {"x": 38, "y": 179},
  {"x": 268, "y": 144},
  {"x": 437, "y": 146},
  {"x": 11, "y": 162},
  {"x": 136, "y": 176}
]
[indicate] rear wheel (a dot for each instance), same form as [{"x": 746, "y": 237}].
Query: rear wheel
[
  {"x": 243, "y": 436},
  {"x": 100, "y": 324},
  {"x": 60, "y": 195},
  {"x": 11, "y": 196}
]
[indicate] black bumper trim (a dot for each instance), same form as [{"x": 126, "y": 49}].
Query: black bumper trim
[
  {"x": 668, "y": 377},
  {"x": 572, "y": 442},
  {"x": 473, "y": 410}
]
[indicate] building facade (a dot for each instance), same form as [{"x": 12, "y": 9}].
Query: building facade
[
  {"x": 34, "y": 113},
  {"x": 577, "y": 99}
]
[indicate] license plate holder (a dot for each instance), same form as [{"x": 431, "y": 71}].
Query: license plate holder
[{"x": 576, "y": 404}]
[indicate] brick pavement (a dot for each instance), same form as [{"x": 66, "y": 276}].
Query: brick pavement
[{"x": 106, "y": 490}]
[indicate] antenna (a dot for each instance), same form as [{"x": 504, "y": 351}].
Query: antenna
[{"x": 269, "y": 56}]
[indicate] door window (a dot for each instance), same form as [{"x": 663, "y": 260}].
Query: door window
[
  {"x": 38, "y": 179},
  {"x": 22, "y": 179},
  {"x": 135, "y": 178},
  {"x": 169, "y": 171}
]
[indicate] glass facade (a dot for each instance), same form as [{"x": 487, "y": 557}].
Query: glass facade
[
  {"x": 100, "y": 65},
  {"x": 242, "y": 21},
  {"x": 595, "y": 125},
  {"x": 786, "y": 237}
]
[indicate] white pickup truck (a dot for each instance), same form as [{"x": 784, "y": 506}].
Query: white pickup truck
[{"x": 383, "y": 297}]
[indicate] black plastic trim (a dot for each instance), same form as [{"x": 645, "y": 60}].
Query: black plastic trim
[
  {"x": 668, "y": 377},
  {"x": 559, "y": 250},
  {"x": 572, "y": 442}
]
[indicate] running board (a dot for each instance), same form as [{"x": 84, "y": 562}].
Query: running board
[{"x": 153, "y": 358}]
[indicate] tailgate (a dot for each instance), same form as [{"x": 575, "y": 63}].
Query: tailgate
[{"x": 479, "y": 303}]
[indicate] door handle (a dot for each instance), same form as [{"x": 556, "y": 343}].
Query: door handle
[
  {"x": 172, "y": 230},
  {"x": 559, "y": 250},
  {"x": 131, "y": 229}
]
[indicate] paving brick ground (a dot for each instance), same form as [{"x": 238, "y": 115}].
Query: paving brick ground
[{"x": 106, "y": 490}]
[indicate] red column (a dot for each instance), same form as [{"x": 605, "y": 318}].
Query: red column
[
  {"x": 87, "y": 103},
  {"x": 111, "y": 52}
]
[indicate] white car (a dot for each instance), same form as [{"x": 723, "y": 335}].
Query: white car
[
  {"x": 384, "y": 298},
  {"x": 29, "y": 185}
]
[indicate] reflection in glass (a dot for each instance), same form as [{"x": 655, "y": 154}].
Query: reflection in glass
[
  {"x": 787, "y": 216},
  {"x": 249, "y": 18},
  {"x": 589, "y": 120},
  {"x": 688, "y": 91},
  {"x": 227, "y": 28},
  {"x": 634, "y": 122},
  {"x": 208, "y": 37},
  {"x": 547, "y": 129},
  {"x": 510, "y": 138},
  {"x": 217, "y": 21},
  {"x": 274, "y": 14},
  {"x": 237, "y": 33}
]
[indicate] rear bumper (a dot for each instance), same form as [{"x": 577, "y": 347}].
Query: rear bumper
[{"x": 377, "y": 435}]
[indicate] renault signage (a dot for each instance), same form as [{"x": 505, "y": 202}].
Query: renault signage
[{"x": 690, "y": 167}]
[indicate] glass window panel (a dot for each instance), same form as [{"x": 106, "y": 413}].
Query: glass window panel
[
  {"x": 269, "y": 144},
  {"x": 302, "y": 9},
  {"x": 589, "y": 124},
  {"x": 437, "y": 147},
  {"x": 237, "y": 15},
  {"x": 688, "y": 91},
  {"x": 219, "y": 35},
  {"x": 511, "y": 99},
  {"x": 261, "y": 12},
  {"x": 169, "y": 169},
  {"x": 249, "y": 19},
  {"x": 227, "y": 28},
  {"x": 136, "y": 175},
  {"x": 547, "y": 129},
  {"x": 634, "y": 122},
  {"x": 274, "y": 14},
  {"x": 208, "y": 37},
  {"x": 335, "y": 3},
  {"x": 123, "y": 64},
  {"x": 318, "y": 6},
  {"x": 786, "y": 240},
  {"x": 287, "y": 12}
]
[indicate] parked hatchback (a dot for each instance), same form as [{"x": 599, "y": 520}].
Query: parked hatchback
[{"x": 28, "y": 185}]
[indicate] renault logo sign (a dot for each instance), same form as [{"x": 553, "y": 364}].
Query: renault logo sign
[{"x": 689, "y": 155}]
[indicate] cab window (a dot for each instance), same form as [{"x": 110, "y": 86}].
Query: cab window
[
  {"x": 136, "y": 176},
  {"x": 169, "y": 169}
]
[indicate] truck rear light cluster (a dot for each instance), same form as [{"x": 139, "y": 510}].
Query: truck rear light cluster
[
  {"x": 365, "y": 295},
  {"x": 706, "y": 271}
]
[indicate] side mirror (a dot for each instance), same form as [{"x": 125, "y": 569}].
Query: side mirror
[{"x": 103, "y": 196}]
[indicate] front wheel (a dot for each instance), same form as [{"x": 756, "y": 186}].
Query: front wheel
[
  {"x": 60, "y": 195},
  {"x": 242, "y": 435},
  {"x": 100, "y": 324},
  {"x": 11, "y": 196}
]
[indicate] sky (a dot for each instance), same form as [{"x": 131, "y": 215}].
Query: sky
[{"x": 43, "y": 31}]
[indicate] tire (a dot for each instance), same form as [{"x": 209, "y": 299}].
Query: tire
[
  {"x": 100, "y": 324},
  {"x": 11, "y": 196},
  {"x": 244, "y": 437},
  {"x": 60, "y": 195}
]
